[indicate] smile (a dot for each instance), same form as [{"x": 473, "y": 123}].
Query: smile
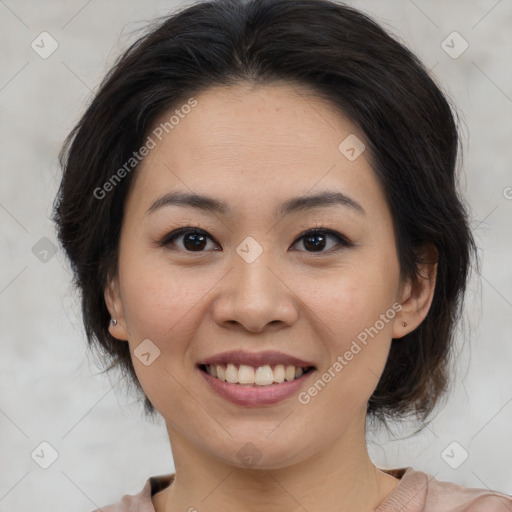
[
  {"x": 251, "y": 376},
  {"x": 255, "y": 386}
]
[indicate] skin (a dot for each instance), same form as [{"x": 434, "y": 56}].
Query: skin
[{"x": 254, "y": 147}]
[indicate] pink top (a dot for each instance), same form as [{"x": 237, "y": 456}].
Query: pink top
[{"x": 416, "y": 492}]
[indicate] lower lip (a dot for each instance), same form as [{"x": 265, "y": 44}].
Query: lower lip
[{"x": 255, "y": 395}]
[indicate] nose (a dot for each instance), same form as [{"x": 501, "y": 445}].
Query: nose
[{"x": 255, "y": 296}]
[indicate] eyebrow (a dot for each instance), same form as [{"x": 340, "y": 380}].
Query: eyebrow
[{"x": 326, "y": 198}]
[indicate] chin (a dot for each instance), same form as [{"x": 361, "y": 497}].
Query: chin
[{"x": 260, "y": 452}]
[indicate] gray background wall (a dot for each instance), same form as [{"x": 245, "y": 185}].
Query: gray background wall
[{"x": 50, "y": 389}]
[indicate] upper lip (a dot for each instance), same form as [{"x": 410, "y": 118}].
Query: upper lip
[{"x": 256, "y": 359}]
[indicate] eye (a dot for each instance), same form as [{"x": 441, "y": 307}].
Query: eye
[
  {"x": 194, "y": 240},
  {"x": 315, "y": 240}
]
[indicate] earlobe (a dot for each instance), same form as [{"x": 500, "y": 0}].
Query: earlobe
[
  {"x": 417, "y": 295},
  {"x": 117, "y": 325}
]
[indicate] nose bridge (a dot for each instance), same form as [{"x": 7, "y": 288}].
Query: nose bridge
[
  {"x": 255, "y": 295},
  {"x": 252, "y": 275}
]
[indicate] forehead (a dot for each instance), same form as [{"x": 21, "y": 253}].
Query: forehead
[
  {"x": 256, "y": 140},
  {"x": 281, "y": 121}
]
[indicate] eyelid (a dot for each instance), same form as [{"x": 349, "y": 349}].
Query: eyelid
[
  {"x": 343, "y": 241},
  {"x": 176, "y": 233}
]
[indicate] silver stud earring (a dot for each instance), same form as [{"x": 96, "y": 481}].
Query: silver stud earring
[{"x": 113, "y": 322}]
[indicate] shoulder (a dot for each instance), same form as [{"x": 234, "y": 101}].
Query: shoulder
[
  {"x": 140, "y": 502},
  {"x": 467, "y": 499},
  {"x": 448, "y": 496}
]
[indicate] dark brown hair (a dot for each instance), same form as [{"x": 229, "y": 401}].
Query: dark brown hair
[{"x": 342, "y": 56}]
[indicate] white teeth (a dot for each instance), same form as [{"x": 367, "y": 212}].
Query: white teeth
[
  {"x": 231, "y": 374},
  {"x": 264, "y": 375},
  {"x": 289, "y": 373},
  {"x": 245, "y": 374},
  {"x": 279, "y": 373},
  {"x": 250, "y": 376}
]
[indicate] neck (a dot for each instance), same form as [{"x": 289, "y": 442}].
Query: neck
[{"x": 339, "y": 477}]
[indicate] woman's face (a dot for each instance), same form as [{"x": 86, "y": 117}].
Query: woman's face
[{"x": 249, "y": 281}]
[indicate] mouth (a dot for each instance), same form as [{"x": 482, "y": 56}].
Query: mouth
[{"x": 255, "y": 376}]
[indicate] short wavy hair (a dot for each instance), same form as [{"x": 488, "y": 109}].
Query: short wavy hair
[{"x": 341, "y": 55}]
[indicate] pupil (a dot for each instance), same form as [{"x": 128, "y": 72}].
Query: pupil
[
  {"x": 198, "y": 241},
  {"x": 316, "y": 245}
]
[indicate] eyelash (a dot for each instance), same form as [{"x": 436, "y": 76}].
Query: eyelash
[{"x": 343, "y": 242}]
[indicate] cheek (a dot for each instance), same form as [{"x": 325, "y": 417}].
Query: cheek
[
  {"x": 161, "y": 302},
  {"x": 354, "y": 311},
  {"x": 357, "y": 343},
  {"x": 352, "y": 298},
  {"x": 163, "y": 305}
]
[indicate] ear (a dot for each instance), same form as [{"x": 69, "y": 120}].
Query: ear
[
  {"x": 417, "y": 293},
  {"x": 114, "y": 304}
]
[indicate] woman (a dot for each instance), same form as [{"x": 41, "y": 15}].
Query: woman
[{"x": 261, "y": 212}]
